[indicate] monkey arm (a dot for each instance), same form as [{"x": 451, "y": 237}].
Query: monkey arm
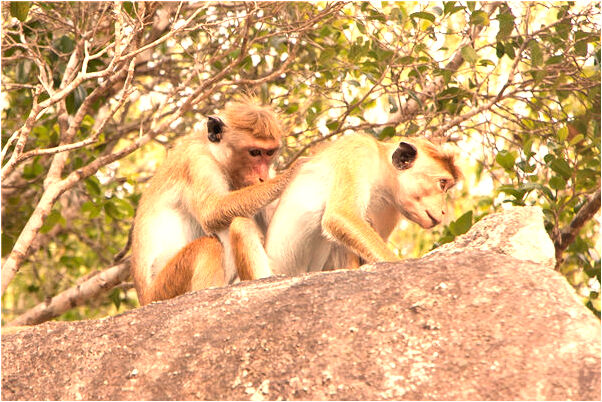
[
  {"x": 344, "y": 222},
  {"x": 349, "y": 229},
  {"x": 217, "y": 210}
]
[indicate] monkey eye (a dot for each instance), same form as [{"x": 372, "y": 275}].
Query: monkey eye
[
  {"x": 444, "y": 184},
  {"x": 270, "y": 152},
  {"x": 254, "y": 152}
]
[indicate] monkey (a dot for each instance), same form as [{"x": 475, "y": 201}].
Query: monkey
[
  {"x": 182, "y": 228},
  {"x": 343, "y": 204}
]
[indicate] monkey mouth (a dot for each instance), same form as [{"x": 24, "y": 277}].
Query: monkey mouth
[{"x": 434, "y": 221}]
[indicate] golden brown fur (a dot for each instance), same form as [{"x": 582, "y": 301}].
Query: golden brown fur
[
  {"x": 350, "y": 196},
  {"x": 198, "y": 265},
  {"x": 200, "y": 188}
]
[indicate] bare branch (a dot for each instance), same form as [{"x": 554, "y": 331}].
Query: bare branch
[
  {"x": 412, "y": 106},
  {"x": 569, "y": 233},
  {"x": 75, "y": 296}
]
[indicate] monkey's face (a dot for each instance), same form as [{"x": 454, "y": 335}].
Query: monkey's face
[
  {"x": 423, "y": 182},
  {"x": 254, "y": 163}
]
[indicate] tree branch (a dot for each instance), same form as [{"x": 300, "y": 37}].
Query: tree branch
[
  {"x": 569, "y": 233},
  {"x": 412, "y": 106},
  {"x": 75, "y": 296}
]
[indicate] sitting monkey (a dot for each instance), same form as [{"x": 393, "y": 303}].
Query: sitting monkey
[
  {"x": 343, "y": 204},
  {"x": 206, "y": 181}
]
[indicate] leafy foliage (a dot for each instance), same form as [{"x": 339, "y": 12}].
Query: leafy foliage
[{"x": 516, "y": 86}]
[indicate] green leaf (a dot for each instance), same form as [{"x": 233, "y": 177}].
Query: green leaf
[
  {"x": 423, "y": 15},
  {"x": 87, "y": 122},
  {"x": 461, "y": 225},
  {"x": 479, "y": 17},
  {"x": 449, "y": 7},
  {"x": 115, "y": 297},
  {"x": 509, "y": 50},
  {"x": 75, "y": 99},
  {"x": 581, "y": 39},
  {"x": 469, "y": 54},
  {"x": 536, "y": 53},
  {"x": 20, "y": 9},
  {"x": 506, "y": 23},
  {"x": 561, "y": 167},
  {"x": 581, "y": 48},
  {"x": 576, "y": 139},
  {"x": 510, "y": 190},
  {"x": 128, "y": 6},
  {"x": 327, "y": 55},
  {"x": 387, "y": 132},
  {"x": 7, "y": 244},
  {"x": 396, "y": 14},
  {"x": 53, "y": 218},
  {"x": 486, "y": 62},
  {"x": 65, "y": 44},
  {"x": 506, "y": 159},
  {"x": 412, "y": 129},
  {"x": 292, "y": 108},
  {"x": 555, "y": 60},
  {"x": 118, "y": 209},
  {"x": 332, "y": 124},
  {"x": 557, "y": 183},
  {"x": 562, "y": 133},
  {"x": 499, "y": 50},
  {"x": 361, "y": 27},
  {"x": 563, "y": 29},
  {"x": 32, "y": 170},
  {"x": 526, "y": 167},
  {"x": 70, "y": 261},
  {"x": 93, "y": 186},
  {"x": 91, "y": 209},
  {"x": 406, "y": 60}
]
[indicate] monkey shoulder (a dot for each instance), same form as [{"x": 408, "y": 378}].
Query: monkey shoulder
[{"x": 193, "y": 160}]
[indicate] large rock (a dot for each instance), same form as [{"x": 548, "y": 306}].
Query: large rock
[
  {"x": 519, "y": 232},
  {"x": 476, "y": 323}
]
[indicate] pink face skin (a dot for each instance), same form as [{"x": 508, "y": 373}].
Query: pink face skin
[
  {"x": 422, "y": 196},
  {"x": 261, "y": 159},
  {"x": 253, "y": 165}
]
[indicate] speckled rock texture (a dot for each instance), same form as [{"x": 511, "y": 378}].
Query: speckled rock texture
[{"x": 464, "y": 323}]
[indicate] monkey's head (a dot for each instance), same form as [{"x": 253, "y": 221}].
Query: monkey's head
[
  {"x": 249, "y": 140},
  {"x": 424, "y": 173}
]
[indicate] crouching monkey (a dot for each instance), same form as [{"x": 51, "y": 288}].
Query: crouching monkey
[
  {"x": 205, "y": 182},
  {"x": 344, "y": 203}
]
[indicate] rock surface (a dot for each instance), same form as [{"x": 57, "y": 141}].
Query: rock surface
[
  {"x": 519, "y": 232},
  {"x": 467, "y": 322}
]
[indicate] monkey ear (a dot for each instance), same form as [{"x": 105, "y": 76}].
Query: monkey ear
[
  {"x": 404, "y": 156},
  {"x": 215, "y": 128}
]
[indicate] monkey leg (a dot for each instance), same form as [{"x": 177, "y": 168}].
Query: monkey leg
[
  {"x": 196, "y": 266},
  {"x": 250, "y": 257},
  {"x": 208, "y": 268},
  {"x": 341, "y": 258}
]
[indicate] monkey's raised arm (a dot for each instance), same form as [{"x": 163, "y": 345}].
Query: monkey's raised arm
[{"x": 219, "y": 211}]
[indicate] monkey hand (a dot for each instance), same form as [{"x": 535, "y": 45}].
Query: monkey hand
[
  {"x": 296, "y": 166},
  {"x": 280, "y": 182}
]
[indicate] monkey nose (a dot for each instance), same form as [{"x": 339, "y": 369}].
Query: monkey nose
[{"x": 261, "y": 179}]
